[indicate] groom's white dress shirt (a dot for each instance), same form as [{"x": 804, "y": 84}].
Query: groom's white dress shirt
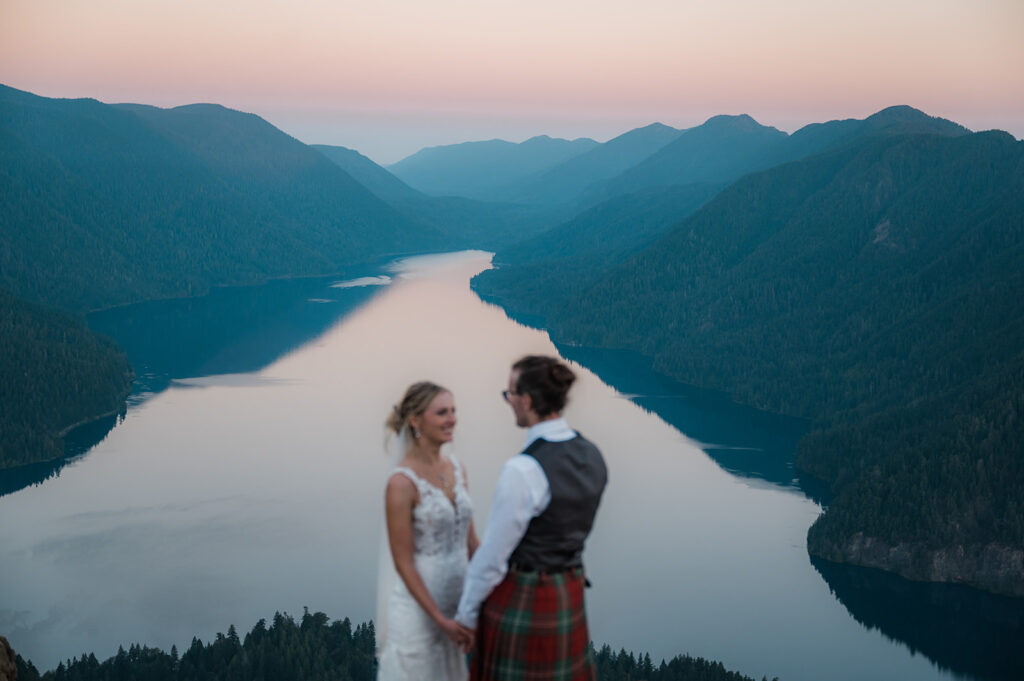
[{"x": 521, "y": 495}]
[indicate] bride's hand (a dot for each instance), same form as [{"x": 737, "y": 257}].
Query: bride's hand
[
  {"x": 467, "y": 636},
  {"x": 452, "y": 629},
  {"x": 460, "y": 635}
]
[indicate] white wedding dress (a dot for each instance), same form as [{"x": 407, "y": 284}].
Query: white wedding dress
[{"x": 415, "y": 648}]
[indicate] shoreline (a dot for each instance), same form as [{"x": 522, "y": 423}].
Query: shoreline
[
  {"x": 380, "y": 262},
  {"x": 61, "y": 434}
]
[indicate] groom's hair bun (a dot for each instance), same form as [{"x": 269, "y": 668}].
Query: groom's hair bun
[
  {"x": 546, "y": 380},
  {"x": 417, "y": 398}
]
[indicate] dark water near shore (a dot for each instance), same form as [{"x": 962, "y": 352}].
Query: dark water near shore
[{"x": 246, "y": 478}]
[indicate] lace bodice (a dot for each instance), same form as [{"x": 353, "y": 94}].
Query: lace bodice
[{"x": 439, "y": 525}]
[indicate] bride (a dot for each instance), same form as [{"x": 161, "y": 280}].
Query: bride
[{"x": 431, "y": 537}]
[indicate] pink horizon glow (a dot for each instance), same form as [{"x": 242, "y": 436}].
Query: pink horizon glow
[{"x": 344, "y": 73}]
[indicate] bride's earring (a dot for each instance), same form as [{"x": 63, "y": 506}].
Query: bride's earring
[{"x": 415, "y": 433}]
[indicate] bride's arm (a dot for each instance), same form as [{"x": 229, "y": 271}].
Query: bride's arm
[{"x": 399, "y": 499}]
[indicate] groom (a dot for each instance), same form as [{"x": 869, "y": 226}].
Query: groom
[{"x": 522, "y": 603}]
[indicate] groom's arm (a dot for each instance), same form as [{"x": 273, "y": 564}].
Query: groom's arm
[{"x": 521, "y": 494}]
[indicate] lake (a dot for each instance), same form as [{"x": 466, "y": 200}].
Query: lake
[{"x": 246, "y": 477}]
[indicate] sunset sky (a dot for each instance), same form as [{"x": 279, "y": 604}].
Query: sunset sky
[{"x": 388, "y": 77}]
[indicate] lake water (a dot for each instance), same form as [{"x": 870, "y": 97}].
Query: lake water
[{"x": 246, "y": 478}]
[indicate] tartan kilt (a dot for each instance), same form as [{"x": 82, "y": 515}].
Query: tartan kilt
[{"x": 533, "y": 628}]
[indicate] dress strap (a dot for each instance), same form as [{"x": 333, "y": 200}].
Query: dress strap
[
  {"x": 409, "y": 473},
  {"x": 457, "y": 467}
]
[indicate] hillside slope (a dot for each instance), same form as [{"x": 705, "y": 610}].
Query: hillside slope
[
  {"x": 54, "y": 373},
  {"x": 102, "y": 205},
  {"x": 877, "y": 290}
]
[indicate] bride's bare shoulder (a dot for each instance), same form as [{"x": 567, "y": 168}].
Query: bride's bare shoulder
[{"x": 400, "y": 487}]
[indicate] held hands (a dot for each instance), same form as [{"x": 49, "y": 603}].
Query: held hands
[
  {"x": 460, "y": 635},
  {"x": 468, "y": 636}
]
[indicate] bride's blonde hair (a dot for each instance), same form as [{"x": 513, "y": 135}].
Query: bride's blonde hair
[{"x": 417, "y": 398}]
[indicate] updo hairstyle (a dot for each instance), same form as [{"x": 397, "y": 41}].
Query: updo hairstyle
[
  {"x": 546, "y": 380},
  {"x": 417, "y": 398}
]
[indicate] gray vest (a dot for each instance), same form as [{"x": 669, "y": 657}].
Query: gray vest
[{"x": 577, "y": 475}]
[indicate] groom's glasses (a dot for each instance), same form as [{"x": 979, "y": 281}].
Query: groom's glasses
[{"x": 507, "y": 394}]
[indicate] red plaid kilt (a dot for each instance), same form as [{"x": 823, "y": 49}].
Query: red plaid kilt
[{"x": 533, "y": 628}]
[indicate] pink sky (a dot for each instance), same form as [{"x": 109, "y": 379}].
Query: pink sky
[{"x": 388, "y": 77}]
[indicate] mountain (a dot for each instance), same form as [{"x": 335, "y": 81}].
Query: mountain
[
  {"x": 894, "y": 120},
  {"x": 484, "y": 170},
  {"x": 102, "y": 205},
  {"x": 466, "y": 223},
  {"x": 720, "y": 150},
  {"x": 876, "y": 289},
  {"x": 566, "y": 181},
  {"x": 367, "y": 173},
  {"x": 725, "y": 148}
]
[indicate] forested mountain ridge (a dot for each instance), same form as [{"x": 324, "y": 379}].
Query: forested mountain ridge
[
  {"x": 725, "y": 148},
  {"x": 877, "y": 290},
  {"x": 894, "y": 120},
  {"x": 103, "y": 205}
]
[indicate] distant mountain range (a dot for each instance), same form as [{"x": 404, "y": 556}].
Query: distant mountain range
[
  {"x": 720, "y": 150},
  {"x": 727, "y": 147},
  {"x": 484, "y": 170},
  {"x": 466, "y": 222},
  {"x": 573, "y": 177}
]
